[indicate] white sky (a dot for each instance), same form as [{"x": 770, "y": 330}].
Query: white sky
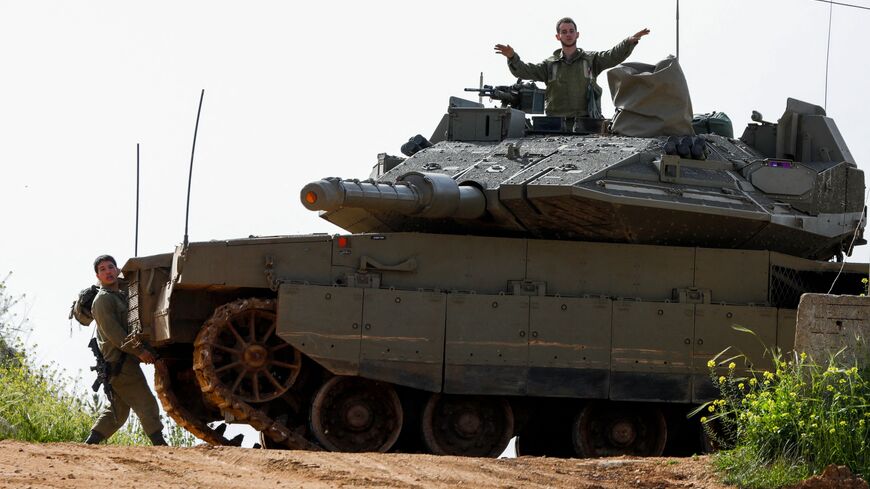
[{"x": 299, "y": 91}]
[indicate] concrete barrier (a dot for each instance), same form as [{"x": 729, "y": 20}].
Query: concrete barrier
[{"x": 827, "y": 324}]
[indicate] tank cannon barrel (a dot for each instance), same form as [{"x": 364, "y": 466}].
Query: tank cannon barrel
[{"x": 429, "y": 195}]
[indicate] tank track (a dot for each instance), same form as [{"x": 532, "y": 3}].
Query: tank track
[
  {"x": 219, "y": 395},
  {"x": 181, "y": 415}
]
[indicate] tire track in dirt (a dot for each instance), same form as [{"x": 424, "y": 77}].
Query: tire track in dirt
[{"x": 79, "y": 466}]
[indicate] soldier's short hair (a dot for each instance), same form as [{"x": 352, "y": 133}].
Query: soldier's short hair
[
  {"x": 101, "y": 259},
  {"x": 565, "y": 20}
]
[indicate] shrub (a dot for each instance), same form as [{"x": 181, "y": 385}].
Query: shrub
[
  {"x": 39, "y": 405},
  {"x": 783, "y": 425}
]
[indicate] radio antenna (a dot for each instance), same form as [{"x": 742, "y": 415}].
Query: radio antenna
[
  {"x": 678, "y": 30},
  {"x": 190, "y": 174},
  {"x": 136, "y": 241},
  {"x": 828, "y": 53},
  {"x": 831, "y": 4}
]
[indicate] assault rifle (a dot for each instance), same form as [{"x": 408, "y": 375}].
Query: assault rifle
[
  {"x": 526, "y": 97},
  {"x": 103, "y": 369}
]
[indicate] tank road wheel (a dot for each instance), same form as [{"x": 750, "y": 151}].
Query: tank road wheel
[
  {"x": 467, "y": 425},
  {"x": 351, "y": 414},
  {"x": 607, "y": 429},
  {"x": 246, "y": 354}
]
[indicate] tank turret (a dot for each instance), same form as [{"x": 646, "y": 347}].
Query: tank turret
[{"x": 791, "y": 187}]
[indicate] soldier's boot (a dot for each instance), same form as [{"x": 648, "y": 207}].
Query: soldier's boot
[
  {"x": 157, "y": 439},
  {"x": 95, "y": 437}
]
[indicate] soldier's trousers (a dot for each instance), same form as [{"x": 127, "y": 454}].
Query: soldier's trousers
[{"x": 130, "y": 391}]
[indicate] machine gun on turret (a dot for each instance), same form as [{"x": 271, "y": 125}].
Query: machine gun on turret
[{"x": 526, "y": 97}]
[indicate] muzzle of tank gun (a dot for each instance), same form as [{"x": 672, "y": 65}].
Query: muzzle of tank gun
[{"x": 429, "y": 195}]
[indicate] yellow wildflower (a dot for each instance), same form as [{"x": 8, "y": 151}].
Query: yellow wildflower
[
  {"x": 732, "y": 366},
  {"x": 704, "y": 419},
  {"x": 711, "y": 364}
]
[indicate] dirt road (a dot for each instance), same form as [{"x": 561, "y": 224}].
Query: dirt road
[{"x": 72, "y": 465}]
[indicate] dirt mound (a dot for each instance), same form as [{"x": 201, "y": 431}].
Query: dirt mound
[
  {"x": 833, "y": 477},
  {"x": 73, "y": 465}
]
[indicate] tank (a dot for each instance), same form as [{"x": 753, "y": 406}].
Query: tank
[{"x": 510, "y": 278}]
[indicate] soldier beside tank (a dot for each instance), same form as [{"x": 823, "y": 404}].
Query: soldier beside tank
[
  {"x": 127, "y": 387},
  {"x": 571, "y": 72}
]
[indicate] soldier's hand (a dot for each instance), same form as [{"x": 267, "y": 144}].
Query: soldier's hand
[
  {"x": 505, "y": 50},
  {"x": 635, "y": 38},
  {"x": 147, "y": 357}
]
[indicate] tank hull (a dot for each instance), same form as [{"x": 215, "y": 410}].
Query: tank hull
[{"x": 473, "y": 317}]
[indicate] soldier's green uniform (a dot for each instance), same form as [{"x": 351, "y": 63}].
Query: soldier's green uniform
[
  {"x": 568, "y": 79},
  {"x": 129, "y": 385}
]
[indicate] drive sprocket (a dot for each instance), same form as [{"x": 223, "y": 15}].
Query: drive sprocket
[{"x": 239, "y": 361}]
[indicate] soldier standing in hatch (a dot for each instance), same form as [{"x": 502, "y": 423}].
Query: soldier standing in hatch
[
  {"x": 126, "y": 378},
  {"x": 570, "y": 73}
]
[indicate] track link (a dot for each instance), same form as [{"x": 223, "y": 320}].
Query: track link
[
  {"x": 220, "y": 395},
  {"x": 181, "y": 415}
]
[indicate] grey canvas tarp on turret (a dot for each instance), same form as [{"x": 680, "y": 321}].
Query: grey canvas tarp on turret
[{"x": 650, "y": 100}]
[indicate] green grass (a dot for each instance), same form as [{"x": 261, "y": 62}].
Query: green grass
[
  {"x": 779, "y": 427},
  {"x": 36, "y": 406},
  {"x": 741, "y": 468}
]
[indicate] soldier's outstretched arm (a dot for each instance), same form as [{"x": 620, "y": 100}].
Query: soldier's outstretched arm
[
  {"x": 519, "y": 68},
  {"x": 505, "y": 50},
  {"x": 636, "y": 37},
  {"x": 603, "y": 60}
]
